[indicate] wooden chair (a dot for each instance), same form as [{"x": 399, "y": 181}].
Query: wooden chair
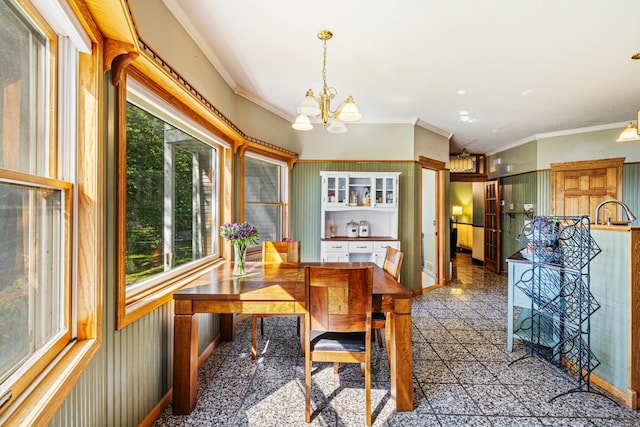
[
  {"x": 337, "y": 322},
  {"x": 392, "y": 264},
  {"x": 273, "y": 252}
]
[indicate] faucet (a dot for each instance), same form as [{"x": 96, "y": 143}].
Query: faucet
[{"x": 627, "y": 211}]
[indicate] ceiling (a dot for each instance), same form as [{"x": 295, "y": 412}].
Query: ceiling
[{"x": 490, "y": 73}]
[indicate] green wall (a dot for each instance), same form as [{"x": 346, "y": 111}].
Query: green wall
[{"x": 520, "y": 159}]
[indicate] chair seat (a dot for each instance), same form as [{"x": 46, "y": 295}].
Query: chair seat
[{"x": 339, "y": 341}]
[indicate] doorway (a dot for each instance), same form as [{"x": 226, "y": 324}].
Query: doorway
[
  {"x": 432, "y": 232},
  {"x": 429, "y": 229}
]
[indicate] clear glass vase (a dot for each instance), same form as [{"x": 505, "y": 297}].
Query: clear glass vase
[{"x": 239, "y": 254}]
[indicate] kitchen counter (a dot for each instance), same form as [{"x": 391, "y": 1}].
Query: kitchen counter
[{"x": 614, "y": 227}]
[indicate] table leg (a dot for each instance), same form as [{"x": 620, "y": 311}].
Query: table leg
[
  {"x": 227, "y": 327},
  {"x": 185, "y": 363},
  {"x": 401, "y": 363}
]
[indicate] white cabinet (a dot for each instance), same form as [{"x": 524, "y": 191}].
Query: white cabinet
[
  {"x": 335, "y": 251},
  {"x": 356, "y": 250},
  {"x": 359, "y": 196}
]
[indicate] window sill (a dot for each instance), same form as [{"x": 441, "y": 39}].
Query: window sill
[
  {"x": 134, "y": 310},
  {"x": 39, "y": 404}
]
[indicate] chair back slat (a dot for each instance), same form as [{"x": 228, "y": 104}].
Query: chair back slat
[
  {"x": 393, "y": 262},
  {"x": 339, "y": 299},
  {"x": 275, "y": 252}
]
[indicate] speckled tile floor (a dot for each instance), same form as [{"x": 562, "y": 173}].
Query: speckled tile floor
[{"x": 462, "y": 375}]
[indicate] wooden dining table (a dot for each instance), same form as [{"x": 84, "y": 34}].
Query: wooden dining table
[{"x": 278, "y": 289}]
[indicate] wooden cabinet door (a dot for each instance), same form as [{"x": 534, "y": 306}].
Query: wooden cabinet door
[
  {"x": 578, "y": 187},
  {"x": 492, "y": 226}
]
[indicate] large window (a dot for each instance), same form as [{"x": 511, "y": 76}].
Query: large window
[
  {"x": 37, "y": 176},
  {"x": 265, "y": 196},
  {"x": 169, "y": 181}
]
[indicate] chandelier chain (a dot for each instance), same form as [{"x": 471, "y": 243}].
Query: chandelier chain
[
  {"x": 329, "y": 91},
  {"x": 324, "y": 64}
]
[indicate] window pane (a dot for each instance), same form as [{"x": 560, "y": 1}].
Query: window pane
[
  {"x": 262, "y": 194},
  {"x": 169, "y": 196},
  {"x": 193, "y": 192},
  {"x": 261, "y": 181},
  {"x": 30, "y": 283},
  {"x": 266, "y": 218},
  {"x": 23, "y": 94}
]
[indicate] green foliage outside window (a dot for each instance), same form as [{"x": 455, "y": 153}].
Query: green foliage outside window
[{"x": 187, "y": 168}]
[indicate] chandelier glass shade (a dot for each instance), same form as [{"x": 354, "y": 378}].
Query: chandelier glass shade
[
  {"x": 630, "y": 133},
  {"x": 320, "y": 107}
]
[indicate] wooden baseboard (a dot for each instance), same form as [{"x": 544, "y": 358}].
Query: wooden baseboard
[
  {"x": 627, "y": 397},
  {"x": 422, "y": 291},
  {"x": 157, "y": 410},
  {"x": 208, "y": 350}
]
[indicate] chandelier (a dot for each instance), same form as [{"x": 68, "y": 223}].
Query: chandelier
[
  {"x": 462, "y": 162},
  {"x": 347, "y": 111}
]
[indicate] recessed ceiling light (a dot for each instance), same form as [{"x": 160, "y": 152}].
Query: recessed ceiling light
[{"x": 462, "y": 92}]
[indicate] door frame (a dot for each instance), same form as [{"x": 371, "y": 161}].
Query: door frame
[{"x": 439, "y": 168}]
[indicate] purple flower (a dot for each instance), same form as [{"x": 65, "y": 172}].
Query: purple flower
[{"x": 241, "y": 234}]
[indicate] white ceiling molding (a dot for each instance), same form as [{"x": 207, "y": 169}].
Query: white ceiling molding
[{"x": 434, "y": 129}]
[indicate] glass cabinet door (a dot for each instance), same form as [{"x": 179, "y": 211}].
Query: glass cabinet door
[
  {"x": 385, "y": 191},
  {"x": 335, "y": 192}
]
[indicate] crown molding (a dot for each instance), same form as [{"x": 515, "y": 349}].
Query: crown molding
[{"x": 432, "y": 128}]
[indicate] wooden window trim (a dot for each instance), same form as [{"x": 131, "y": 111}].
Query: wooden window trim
[
  {"x": 132, "y": 303},
  {"x": 285, "y": 162},
  {"x": 39, "y": 403}
]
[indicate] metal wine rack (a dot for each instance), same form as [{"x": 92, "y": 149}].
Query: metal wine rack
[{"x": 557, "y": 327}]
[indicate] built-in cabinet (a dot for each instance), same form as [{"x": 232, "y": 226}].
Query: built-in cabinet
[{"x": 367, "y": 197}]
